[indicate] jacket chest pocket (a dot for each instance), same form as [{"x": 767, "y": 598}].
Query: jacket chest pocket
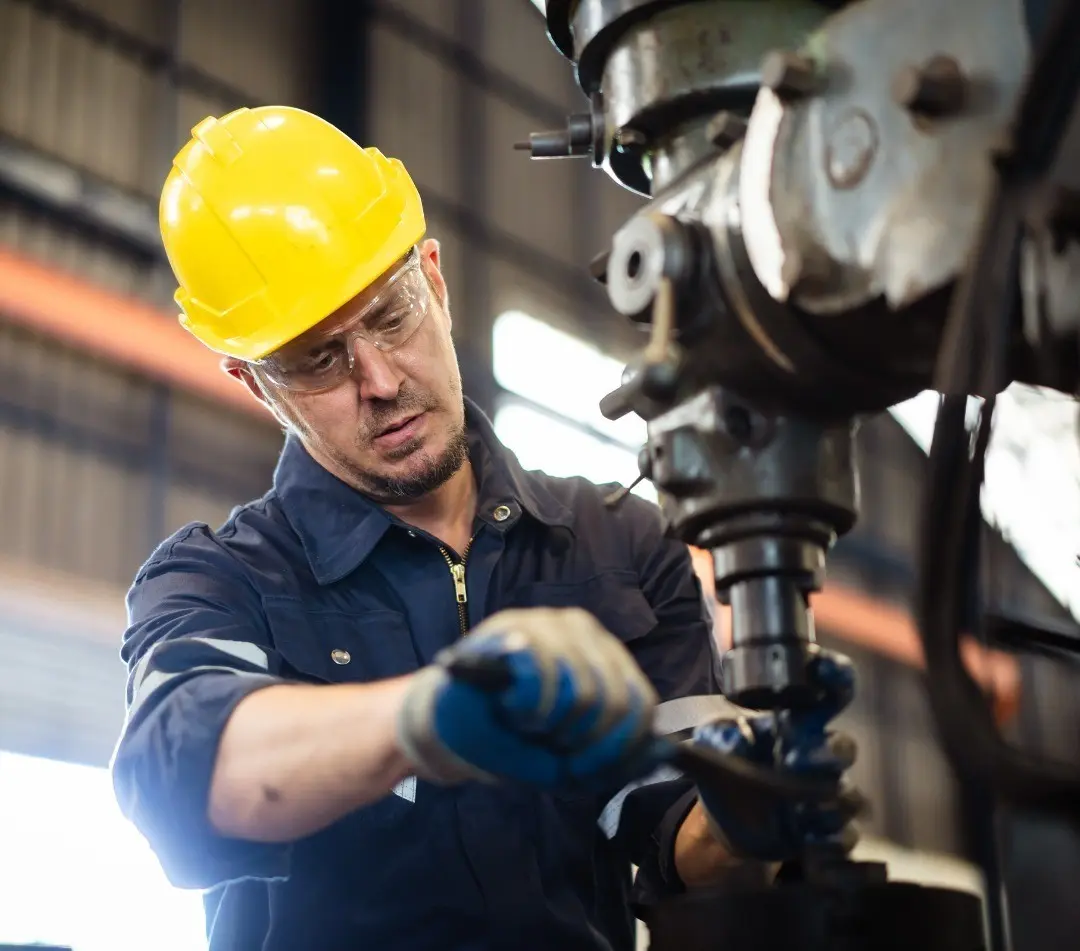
[
  {"x": 613, "y": 598},
  {"x": 338, "y": 646}
]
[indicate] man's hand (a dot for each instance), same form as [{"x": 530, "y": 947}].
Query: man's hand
[
  {"x": 575, "y": 712},
  {"x": 773, "y": 831}
]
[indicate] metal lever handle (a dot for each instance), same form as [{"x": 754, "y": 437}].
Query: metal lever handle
[{"x": 731, "y": 774}]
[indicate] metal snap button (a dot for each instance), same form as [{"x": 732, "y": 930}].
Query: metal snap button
[
  {"x": 340, "y": 657},
  {"x": 501, "y": 514}
]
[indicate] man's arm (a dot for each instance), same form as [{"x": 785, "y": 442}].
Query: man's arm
[
  {"x": 292, "y": 758},
  {"x": 663, "y": 825},
  {"x": 221, "y": 760}
]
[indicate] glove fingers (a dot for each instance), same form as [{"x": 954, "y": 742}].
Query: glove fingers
[
  {"x": 611, "y": 681},
  {"x": 730, "y": 737},
  {"x": 614, "y": 746},
  {"x": 843, "y": 749},
  {"x": 852, "y": 803},
  {"x": 834, "y": 676},
  {"x": 596, "y": 658}
]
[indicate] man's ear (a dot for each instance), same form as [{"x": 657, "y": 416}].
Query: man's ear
[
  {"x": 239, "y": 370},
  {"x": 430, "y": 257},
  {"x": 429, "y": 248}
]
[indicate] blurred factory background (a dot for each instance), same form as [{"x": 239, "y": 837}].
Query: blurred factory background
[{"x": 116, "y": 429}]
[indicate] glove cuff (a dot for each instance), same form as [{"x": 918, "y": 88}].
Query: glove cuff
[{"x": 416, "y": 736}]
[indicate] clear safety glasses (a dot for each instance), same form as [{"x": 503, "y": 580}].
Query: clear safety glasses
[{"x": 324, "y": 357}]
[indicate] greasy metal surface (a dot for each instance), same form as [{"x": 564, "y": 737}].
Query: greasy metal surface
[
  {"x": 679, "y": 153},
  {"x": 853, "y": 186},
  {"x": 704, "y": 53}
]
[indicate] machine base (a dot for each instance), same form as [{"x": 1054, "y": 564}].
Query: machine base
[{"x": 890, "y": 916}]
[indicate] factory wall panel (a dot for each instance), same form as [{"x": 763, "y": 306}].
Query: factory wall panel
[
  {"x": 261, "y": 48},
  {"x": 890, "y": 479},
  {"x": 74, "y": 96},
  {"x": 61, "y": 695},
  {"x": 148, "y": 21},
  {"x": 68, "y": 505},
  {"x": 235, "y": 454},
  {"x": 530, "y": 200},
  {"x": 439, "y": 16},
  {"x": 516, "y": 44},
  {"x": 456, "y": 253},
  {"x": 98, "y": 465},
  {"x": 191, "y": 108},
  {"x": 74, "y": 250},
  {"x": 414, "y": 106},
  {"x": 616, "y": 204}
]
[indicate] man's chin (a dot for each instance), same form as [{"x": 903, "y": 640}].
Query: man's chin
[
  {"x": 413, "y": 469},
  {"x": 404, "y": 451}
]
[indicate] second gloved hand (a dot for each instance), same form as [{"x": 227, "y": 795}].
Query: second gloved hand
[
  {"x": 576, "y": 711},
  {"x": 771, "y": 830}
]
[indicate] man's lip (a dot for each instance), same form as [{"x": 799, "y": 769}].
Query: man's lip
[{"x": 400, "y": 424}]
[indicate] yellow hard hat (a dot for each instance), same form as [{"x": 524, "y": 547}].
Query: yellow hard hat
[{"x": 272, "y": 219}]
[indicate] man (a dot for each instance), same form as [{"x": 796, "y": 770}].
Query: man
[{"x": 299, "y": 741}]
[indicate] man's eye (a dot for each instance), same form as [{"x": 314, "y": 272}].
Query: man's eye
[
  {"x": 319, "y": 361},
  {"x": 391, "y": 320}
]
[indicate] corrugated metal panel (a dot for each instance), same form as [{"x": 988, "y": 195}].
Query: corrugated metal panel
[
  {"x": 929, "y": 795},
  {"x": 516, "y": 43},
  {"x": 414, "y": 111},
  {"x": 61, "y": 696},
  {"x": 191, "y": 109},
  {"x": 49, "y": 240},
  {"x": 139, "y": 17},
  {"x": 259, "y": 47},
  {"x": 98, "y": 465},
  {"x": 890, "y": 475},
  {"x": 65, "y": 504},
  {"x": 184, "y": 505},
  {"x": 531, "y": 200},
  {"x": 236, "y": 455},
  {"x": 616, "y": 205},
  {"x": 69, "y": 94},
  {"x": 435, "y": 14},
  {"x": 453, "y": 250}
]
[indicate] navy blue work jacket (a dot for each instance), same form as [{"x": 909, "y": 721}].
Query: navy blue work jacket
[{"x": 315, "y": 583}]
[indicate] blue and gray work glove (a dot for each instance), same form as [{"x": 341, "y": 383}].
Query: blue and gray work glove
[
  {"x": 575, "y": 710},
  {"x": 775, "y": 831}
]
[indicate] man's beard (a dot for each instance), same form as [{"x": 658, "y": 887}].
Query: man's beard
[
  {"x": 429, "y": 472},
  {"x": 433, "y": 472}
]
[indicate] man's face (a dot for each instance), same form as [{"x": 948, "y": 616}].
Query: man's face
[{"x": 394, "y": 427}]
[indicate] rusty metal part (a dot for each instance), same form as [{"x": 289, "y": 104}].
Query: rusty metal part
[
  {"x": 934, "y": 90},
  {"x": 725, "y": 129},
  {"x": 670, "y": 67},
  {"x": 846, "y": 176},
  {"x": 789, "y": 75}
]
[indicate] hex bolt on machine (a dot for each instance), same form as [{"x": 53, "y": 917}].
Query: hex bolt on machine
[{"x": 848, "y": 203}]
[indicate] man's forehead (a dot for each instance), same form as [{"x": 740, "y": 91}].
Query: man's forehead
[{"x": 356, "y": 304}]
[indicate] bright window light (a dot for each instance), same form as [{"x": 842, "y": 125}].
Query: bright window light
[
  {"x": 1032, "y": 489},
  {"x": 74, "y": 872},
  {"x": 542, "y": 442},
  {"x": 561, "y": 373}
]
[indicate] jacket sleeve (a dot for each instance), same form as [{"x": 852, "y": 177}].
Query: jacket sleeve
[
  {"x": 196, "y": 645},
  {"x": 681, "y": 658}
]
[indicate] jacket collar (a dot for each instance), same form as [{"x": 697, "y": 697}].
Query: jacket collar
[{"x": 339, "y": 526}]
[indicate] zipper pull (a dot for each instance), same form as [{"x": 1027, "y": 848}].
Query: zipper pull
[{"x": 458, "y": 573}]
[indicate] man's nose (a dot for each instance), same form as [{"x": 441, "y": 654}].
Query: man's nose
[{"x": 379, "y": 377}]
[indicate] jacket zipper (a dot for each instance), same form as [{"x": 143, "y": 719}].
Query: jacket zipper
[{"x": 457, "y": 573}]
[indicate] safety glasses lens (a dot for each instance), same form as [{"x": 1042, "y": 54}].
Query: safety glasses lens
[{"x": 320, "y": 360}]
